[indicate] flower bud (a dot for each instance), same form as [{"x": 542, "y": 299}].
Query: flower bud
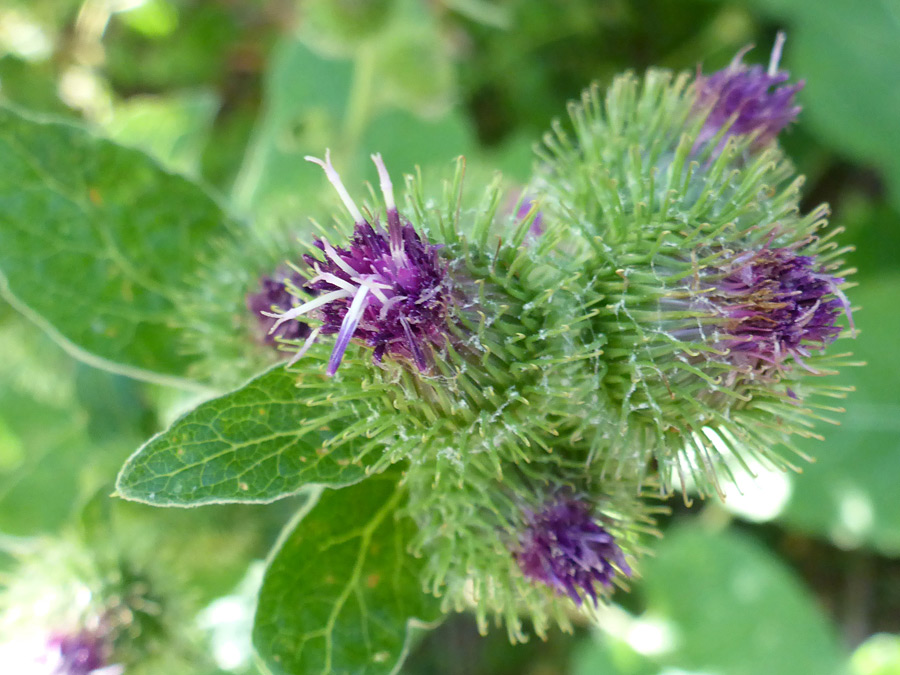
[
  {"x": 777, "y": 307},
  {"x": 66, "y": 609},
  {"x": 566, "y": 548}
]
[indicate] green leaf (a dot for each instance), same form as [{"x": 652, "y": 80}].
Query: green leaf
[
  {"x": 32, "y": 85},
  {"x": 305, "y": 99},
  {"x": 49, "y": 459},
  {"x": 153, "y": 18},
  {"x": 174, "y": 129},
  {"x": 340, "y": 27},
  {"x": 169, "y": 539},
  {"x": 96, "y": 243},
  {"x": 732, "y": 608},
  {"x": 257, "y": 444},
  {"x": 406, "y": 141},
  {"x": 595, "y": 656},
  {"x": 42, "y": 451},
  {"x": 342, "y": 594},
  {"x": 313, "y": 103},
  {"x": 413, "y": 66},
  {"x": 114, "y": 405},
  {"x": 848, "y": 79},
  {"x": 878, "y": 655},
  {"x": 850, "y": 492}
]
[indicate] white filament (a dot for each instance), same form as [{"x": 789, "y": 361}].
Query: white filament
[
  {"x": 387, "y": 188},
  {"x": 335, "y": 180},
  {"x": 776, "y": 53},
  {"x": 306, "y": 345},
  {"x": 294, "y": 312}
]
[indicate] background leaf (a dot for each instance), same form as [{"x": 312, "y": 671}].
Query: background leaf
[
  {"x": 256, "y": 444},
  {"x": 380, "y": 100},
  {"x": 305, "y": 96},
  {"x": 850, "y": 492},
  {"x": 173, "y": 129},
  {"x": 55, "y": 447},
  {"x": 850, "y": 79},
  {"x": 97, "y": 242},
  {"x": 341, "y": 592},
  {"x": 734, "y": 609}
]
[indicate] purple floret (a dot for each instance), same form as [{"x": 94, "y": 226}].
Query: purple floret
[
  {"x": 79, "y": 654},
  {"x": 402, "y": 285},
  {"x": 275, "y": 297},
  {"x": 388, "y": 289},
  {"x": 565, "y": 548},
  {"x": 762, "y": 100},
  {"x": 778, "y": 304}
]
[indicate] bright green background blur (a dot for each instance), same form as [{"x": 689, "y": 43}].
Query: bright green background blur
[{"x": 796, "y": 576}]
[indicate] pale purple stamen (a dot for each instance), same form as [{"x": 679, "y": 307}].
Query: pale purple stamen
[
  {"x": 348, "y": 327},
  {"x": 335, "y": 180}
]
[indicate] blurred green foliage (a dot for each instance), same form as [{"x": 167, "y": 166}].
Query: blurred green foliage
[{"x": 236, "y": 93}]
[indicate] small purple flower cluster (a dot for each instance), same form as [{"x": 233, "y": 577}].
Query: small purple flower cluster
[
  {"x": 388, "y": 289},
  {"x": 399, "y": 301},
  {"x": 274, "y": 296},
  {"x": 565, "y": 548},
  {"x": 80, "y": 653},
  {"x": 778, "y": 305},
  {"x": 759, "y": 100}
]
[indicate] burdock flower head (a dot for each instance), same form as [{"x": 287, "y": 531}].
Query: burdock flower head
[
  {"x": 777, "y": 304},
  {"x": 759, "y": 101},
  {"x": 715, "y": 294},
  {"x": 388, "y": 289},
  {"x": 566, "y": 548}
]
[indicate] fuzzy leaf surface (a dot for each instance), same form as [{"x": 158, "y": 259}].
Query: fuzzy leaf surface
[
  {"x": 256, "y": 444},
  {"x": 96, "y": 242},
  {"x": 342, "y": 594}
]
